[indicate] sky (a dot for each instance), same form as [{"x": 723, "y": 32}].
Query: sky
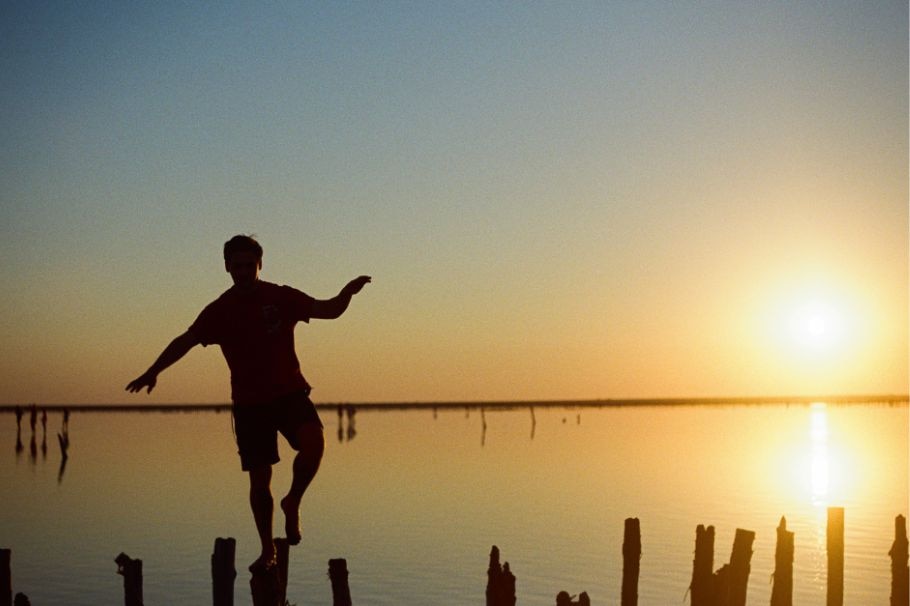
[{"x": 555, "y": 200}]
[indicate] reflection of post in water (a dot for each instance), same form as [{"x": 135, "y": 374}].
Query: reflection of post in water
[
  {"x": 64, "y": 439},
  {"x": 340, "y": 423},
  {"x": 351, "y": 431},
  {"x": 483, "y": 422}
]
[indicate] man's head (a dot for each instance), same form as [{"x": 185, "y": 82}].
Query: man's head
[{"x": 243, "y": 260}]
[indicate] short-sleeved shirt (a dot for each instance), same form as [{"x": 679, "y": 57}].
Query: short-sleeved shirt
[{"x": 255, "y": 330}]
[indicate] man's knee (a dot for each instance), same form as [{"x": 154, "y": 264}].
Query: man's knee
[
  {"x": 310, "y": 440},
  {"x": 261, "y": 479}
]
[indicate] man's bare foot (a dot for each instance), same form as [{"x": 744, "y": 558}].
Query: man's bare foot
[
  {"x": 291, "y": 520},
  {"x": 264, "y": 562}
]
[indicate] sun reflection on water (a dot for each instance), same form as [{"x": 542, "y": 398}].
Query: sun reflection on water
[{"x": 819, "y": 464}]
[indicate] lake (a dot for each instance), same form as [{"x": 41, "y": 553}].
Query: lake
[{"x": 414, "y": 500}]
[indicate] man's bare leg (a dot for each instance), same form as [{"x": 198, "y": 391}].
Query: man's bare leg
[
  {"x": 262, "y": 506},
  {"x": 310, "y": 446}
]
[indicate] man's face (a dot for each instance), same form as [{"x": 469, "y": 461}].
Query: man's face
[{"x": 244, "y": 268}]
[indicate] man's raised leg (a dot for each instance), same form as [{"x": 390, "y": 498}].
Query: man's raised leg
[
  {"x": 310, "y": 446},
  {"x": 262, "y": 506}
]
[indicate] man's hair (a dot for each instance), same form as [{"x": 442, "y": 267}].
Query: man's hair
[{"x": 242, "y": 243}]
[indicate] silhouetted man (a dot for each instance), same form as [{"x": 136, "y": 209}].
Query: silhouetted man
[{"x": 253, "y": 322}]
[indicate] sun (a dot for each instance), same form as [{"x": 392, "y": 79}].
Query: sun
[{"x": 816, "y": 325}]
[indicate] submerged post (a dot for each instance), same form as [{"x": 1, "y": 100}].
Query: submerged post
[
  {"x": 631, "y": 561},
  {"x": 131, "y": 570},
  {"x": 702, "y": 568},
  {"x": 782, "y": 591},
  {"x": 6, "y": 578},
  {"x": 338, "y": 575},
  {"x": 223, "y": 572},
  {"x": 835, "y": 556},
  {"x": 900, "y": 573}
]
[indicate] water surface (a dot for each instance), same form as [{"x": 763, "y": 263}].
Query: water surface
[{"x": 415, "y": 499}]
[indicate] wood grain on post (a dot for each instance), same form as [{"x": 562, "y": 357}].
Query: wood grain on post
[{"x": 835, "y": 556}]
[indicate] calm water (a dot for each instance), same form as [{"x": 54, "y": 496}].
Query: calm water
[{"x": 415, "y": 499}]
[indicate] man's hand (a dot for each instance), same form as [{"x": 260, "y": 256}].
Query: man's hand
[
  {"x": 356, "y": 285},
  {"x": 147, "y": 379}
]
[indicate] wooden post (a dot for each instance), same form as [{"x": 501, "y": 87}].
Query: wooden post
[
  {"x": 338, "y": 575},
  {"x": 282, "y": 551},
  {"x": 631, "y": 561},
  {"x": 702, "y": 568},
  {"x": 131, "y": 570},
  {"x": 6, "y": 578},
  {"x": 740, "y": 566},
  {"x": 269, "y": 587},
  {"x": 835, "y": 556},
  {"x": 500, "y": 582},
  {"x": 782, "y": 591},
  {"x": 223, "y": 572},
  {"x": 900, "y": 573}
]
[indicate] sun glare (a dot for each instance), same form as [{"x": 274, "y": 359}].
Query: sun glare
[{"x": 813, "y": 324}]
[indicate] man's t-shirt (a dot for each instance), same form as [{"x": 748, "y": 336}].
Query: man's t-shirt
[{"x": 255, "y": 330}]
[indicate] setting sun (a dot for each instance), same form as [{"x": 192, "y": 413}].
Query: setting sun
[{"x": 817, "y": 325}]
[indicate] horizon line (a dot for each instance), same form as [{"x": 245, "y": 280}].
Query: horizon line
[{"x": 497, "y": 404}]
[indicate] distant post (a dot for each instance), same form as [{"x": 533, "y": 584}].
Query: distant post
[
  {"x": 6, "y": 578},
  {"x": 131, "y": 570},
  {"x": 782, "y": 591},
  {"x": 631, "y": 561},
  {"x": 900, "y": 573},
  {"x": 702, "y": 568},
  {"x": 835, "y": 556},
  {"x": 338, "y": 575},
  {"x": 223, "y": 572}
]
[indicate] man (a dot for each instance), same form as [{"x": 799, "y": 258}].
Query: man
[{"x": 253, "y": 323}]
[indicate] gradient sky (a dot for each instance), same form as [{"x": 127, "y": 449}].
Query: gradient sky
[{"x": 554, "y": 199}]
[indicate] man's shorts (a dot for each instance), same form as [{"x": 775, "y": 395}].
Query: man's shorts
[{"x": 257, "y": 427}]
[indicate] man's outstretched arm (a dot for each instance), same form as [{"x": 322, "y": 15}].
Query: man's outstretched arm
[
  {"x": 173, "y": 352},
  {"x": 330, "y": 309}
]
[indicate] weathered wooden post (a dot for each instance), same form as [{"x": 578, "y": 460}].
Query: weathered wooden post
[
  {"x": 131, "y": 570},
  {"x": 269, "y": 587},
  {"x": 6, "y": 578},
  {"x": 631, "y": 561},
  {"x": 782, "y": 591},
  {"x": 223, "y": 572},
  {"x": 740, "y": 566},
  {"x": 500, "y": 582},
  {"x": 900, "y": 573},
  {"x": 702, "y": 584},
  {"x": 338, "y": 575},
  {"x": 835, "y": 556}
]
